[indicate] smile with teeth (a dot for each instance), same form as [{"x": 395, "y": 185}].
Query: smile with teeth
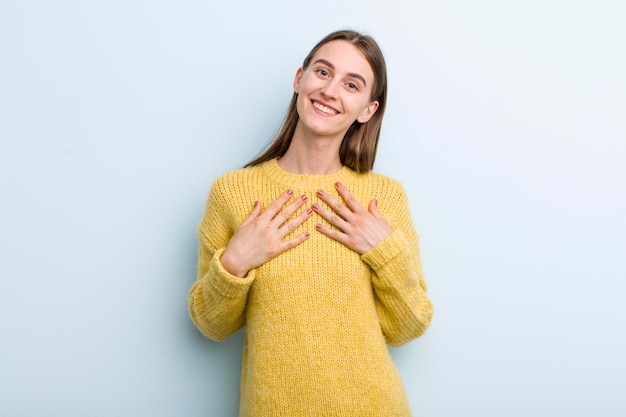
[{"x": 324, "y": 109}]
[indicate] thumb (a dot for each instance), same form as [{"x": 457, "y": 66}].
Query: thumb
[
  {"x": 256, "y": 211},
  {"x": 373, "y": 208}
]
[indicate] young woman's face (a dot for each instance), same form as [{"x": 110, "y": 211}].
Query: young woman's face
[{"x": 335, "y": 90}]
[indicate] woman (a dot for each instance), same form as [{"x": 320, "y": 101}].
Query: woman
[{"x": 288, "y": 248}]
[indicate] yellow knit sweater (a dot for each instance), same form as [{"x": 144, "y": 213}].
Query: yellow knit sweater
[{"x": 318, "y": 316}]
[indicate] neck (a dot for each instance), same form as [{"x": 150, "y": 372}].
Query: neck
[{"x": 311, "y": 155}]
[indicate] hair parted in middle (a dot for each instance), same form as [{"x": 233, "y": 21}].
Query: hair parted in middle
[{"x": 358, "y": 148}]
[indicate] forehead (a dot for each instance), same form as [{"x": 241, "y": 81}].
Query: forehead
[{"x": 346, "y": 58}]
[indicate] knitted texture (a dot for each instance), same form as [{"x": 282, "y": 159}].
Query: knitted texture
[{"x": 318, "y": 317}]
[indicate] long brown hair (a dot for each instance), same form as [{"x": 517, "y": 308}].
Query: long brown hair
[{"x": 358, "y": 148}]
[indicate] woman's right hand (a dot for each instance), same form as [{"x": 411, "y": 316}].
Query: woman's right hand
[{"x": 260, "y": 237}]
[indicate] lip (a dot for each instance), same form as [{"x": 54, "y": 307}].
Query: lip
[{"x": 323, "y": 113}]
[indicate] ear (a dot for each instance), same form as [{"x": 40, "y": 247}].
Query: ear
[
  {"x": 296, "y": 80},
  {"x": 368, "y": 113}
]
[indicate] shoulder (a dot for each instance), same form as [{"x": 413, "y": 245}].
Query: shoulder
[
  {"x": 229, "y": 196},
  {"x": 381, "y": 185},
  {"x": 235, "y": 181},
  {"x": 391, "y": 196},
  {"x": 235, "y": 175}
]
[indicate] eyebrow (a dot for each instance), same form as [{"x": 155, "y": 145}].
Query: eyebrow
[{"x": 331, "y": 66}]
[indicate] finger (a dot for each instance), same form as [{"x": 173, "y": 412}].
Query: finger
[
  {"x": 331, "y": 217},
  {"x": 294, "y": 223},
  {"x": 290, "y": 243},
  {"x": 352, "y": 203},
  {"x": 373, "y": 208},
  {"x": 288, "y": 211},
  {"x": 334, "y": 234},
  {"x": 256, "y": 211},
  {"x": 337, "y": 206},
  {"x": 277, "y": 204}
]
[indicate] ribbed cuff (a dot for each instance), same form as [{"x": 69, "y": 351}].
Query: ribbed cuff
[
  {"x": 226, "y": 283},
  {"x": 383, "y": 253}
]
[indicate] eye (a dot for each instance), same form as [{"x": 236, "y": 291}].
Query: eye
[
  {"x": 353, "y": 86},
  {"x": 322, "y": 72}
]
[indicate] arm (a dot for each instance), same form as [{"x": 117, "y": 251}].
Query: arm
[
  {"x": 217, "y": 299},
  {"x": 391, "y": 250},
  {"x": 404, "y": 309}
]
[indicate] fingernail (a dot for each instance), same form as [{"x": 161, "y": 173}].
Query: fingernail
[
  {"x": 290, "y": 192},
  {"x": 315, "y": 206},
  {"x": 303, "y": 197},
  {"x": 306, "y": 234},
  {"x": 320, "y": 193},
  {"x": 309, "y": 211},
  {"x": 337, "y": 184},
  {"x": 318, "y": 226}
]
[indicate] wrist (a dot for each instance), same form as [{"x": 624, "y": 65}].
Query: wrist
[{"x": 230, "y": 264}]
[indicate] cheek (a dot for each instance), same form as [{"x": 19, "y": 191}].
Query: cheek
[
  {"x": 310, "y": 84},
  {"x": 300, "y": 103},
  {"x": 358, "y": 106}
]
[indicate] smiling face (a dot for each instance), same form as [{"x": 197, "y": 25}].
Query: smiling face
[{"x": 334, "y": 91}]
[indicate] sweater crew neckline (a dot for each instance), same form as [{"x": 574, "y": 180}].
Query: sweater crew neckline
[{"x": 305, "y": 182}]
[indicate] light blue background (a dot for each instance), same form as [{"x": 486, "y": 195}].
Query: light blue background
[{"x": 506, "y": 124}]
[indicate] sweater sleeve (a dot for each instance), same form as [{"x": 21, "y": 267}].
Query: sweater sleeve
[
  {"x": 217, "y": 300},
  {"x": 403, "y": 306}
]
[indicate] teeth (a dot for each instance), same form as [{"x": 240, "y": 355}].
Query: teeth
[{"x": 323, "y": 108}]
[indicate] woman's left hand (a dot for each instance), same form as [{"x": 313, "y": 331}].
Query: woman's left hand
[{"x": 359, "y": 229}]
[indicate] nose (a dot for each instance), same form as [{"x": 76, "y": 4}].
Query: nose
[{"x": 329, "y": 90}]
